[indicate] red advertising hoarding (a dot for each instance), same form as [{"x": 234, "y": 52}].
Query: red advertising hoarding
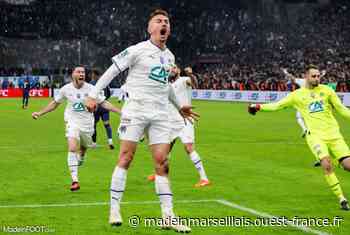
[{"x": 18, "y": 92}]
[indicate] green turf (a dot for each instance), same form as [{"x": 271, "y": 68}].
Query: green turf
[{"x": 258, "y": 162}]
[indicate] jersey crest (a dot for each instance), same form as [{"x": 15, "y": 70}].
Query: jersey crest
[
  {"x": 78, "y": 107},
  {"x": 159, "y": 74},
  {"x": 316, "y": 106}
]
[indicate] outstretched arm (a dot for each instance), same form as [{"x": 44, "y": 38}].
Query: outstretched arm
[
  {"x": 50, "y": 107},
  {"x": 287, "y": 74},
  {"x": 105, "y": 104},
  {"x": 283, "y": 103}
]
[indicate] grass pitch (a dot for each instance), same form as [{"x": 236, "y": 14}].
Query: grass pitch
[{"x": 259, "y": 163}]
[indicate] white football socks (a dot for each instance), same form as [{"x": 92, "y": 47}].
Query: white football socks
[
  {"x": 72, "y": 161},
  {"x": 117, "y": 187},
  {"x": 198, "y": 164},
  {"x": 165, "y": 196}
]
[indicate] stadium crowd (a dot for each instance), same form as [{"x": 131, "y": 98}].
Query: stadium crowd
[{"x": 254, "y": 39}]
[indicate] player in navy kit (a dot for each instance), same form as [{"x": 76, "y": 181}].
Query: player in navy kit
[{"x": 25, "y": 96}]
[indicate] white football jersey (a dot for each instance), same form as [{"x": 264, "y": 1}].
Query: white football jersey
[
  {"x": 149, "y": 69},
  {"x": 75, "y": 112},
  {"x": 300, "y": 82},
  {"x": 183, "y": 92}
]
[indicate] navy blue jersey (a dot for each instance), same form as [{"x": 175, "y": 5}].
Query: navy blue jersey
[{"x": 26, "y": 88}]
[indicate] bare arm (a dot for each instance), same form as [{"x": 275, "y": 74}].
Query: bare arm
[
  {"x": 50, "y": 107},
  {"x": 105, "y": 104}
]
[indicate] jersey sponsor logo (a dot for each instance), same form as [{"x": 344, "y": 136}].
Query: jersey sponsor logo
[
  {"x": 78, "y": 107},
  {"x": 159, "y": 74},
  {"x": 316, "y": 106}
]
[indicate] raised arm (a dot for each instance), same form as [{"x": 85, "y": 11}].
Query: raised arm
[
  {"x": 193, "y": 82},
  {"x": 121, "y": 62}
]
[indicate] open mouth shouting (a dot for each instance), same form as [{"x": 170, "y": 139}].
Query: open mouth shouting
[{"x": 163, "y": 31}]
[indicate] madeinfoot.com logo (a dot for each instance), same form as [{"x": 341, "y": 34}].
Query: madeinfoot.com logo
[
  {"x": 26, "y": 229},
  {"x": 235, "y": 221}
]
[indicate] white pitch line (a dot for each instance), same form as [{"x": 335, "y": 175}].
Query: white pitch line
[
  {"x": 97, "y": 204},
  {"x": 221, "y": 201},
  {"x": 266, "y": 215}
]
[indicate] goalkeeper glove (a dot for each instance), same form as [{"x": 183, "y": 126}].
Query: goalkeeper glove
[{"x": 253, "y": 108}]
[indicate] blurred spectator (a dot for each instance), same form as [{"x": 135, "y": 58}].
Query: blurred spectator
[{"x": 254, "y": 39}]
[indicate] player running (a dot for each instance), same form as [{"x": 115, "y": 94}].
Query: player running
[
  {"x": 182, "y": 129},
  {"x": 316, "y": 102},
  {"x": 145, "y": 111},
  {"x": 101, "y": 113},
  {"x": 79, "y": 121}
]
